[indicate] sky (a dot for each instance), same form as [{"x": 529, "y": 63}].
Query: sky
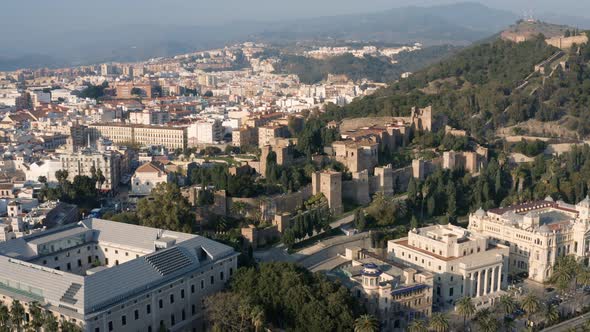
[{"x": 28, "y": 15}]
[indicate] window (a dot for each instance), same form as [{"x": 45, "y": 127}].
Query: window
[
  {"x": 79, "y": 263},
  {"x": 202, "y": 284},
  {"x": 193, "y": 309},
  {"x": 110, "y": 326},
  {"x": 148, "y": 309},
  {"x": 451, "y": 291},
  {"x": 172, "y": 320},
  {"x": 161, "y": 303},
  {"x": 231, "y": 271},
  {"x": 212, "y": 280},
  {"x": 182, "y": 293},
  {"x": 171, "y": 298},
  {"x": 183, "y": 315},
  {"x": 89, "y": 259},
  {"x": 124, "y": 320},
  {"x": 192, "y": 289},
  {"x": 136, "y": 314}
]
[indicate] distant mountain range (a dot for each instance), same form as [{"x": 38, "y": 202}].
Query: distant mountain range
[{"x": 457, "y": 24}]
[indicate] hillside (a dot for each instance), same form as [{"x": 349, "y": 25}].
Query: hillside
[
  {"x": 377, "y": 69},
  {"x": 477, "y": 89},
  {"x": 457, "y": 24}
]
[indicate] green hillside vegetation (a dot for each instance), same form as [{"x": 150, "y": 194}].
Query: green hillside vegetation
[
  {"x": 379, "y": 69},
  {"x": 476, "y": 89}
]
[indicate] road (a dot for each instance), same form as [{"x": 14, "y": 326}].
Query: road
[{"x": 568, "y": 324}]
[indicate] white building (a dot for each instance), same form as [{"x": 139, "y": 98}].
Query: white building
[
  {"x": 110, "y": 276},
  {"x": 537, "y": 233},
  {"x": 464, "y": 263},
  {"x": 82, "y": 163},
  {"x": 46, "y": 168},
  {"x": 147, "y": 177},
  {"x": 205, "y": 132}
]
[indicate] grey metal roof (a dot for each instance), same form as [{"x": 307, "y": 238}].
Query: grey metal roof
[{"x": 106, "y": 287}]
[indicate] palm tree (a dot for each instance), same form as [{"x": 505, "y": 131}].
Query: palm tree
[
  {"x": 551, "y": 314},
  {"x": 4, "y": 315},
  {"x": 258, "y": 318},
  {"x": 17, "y": 313},
  {"x": 36, "y": 316},
  {"x": 366, "y": 323},
  {"x": 586, "y": 326},
  {"x": 531, "y": 305},
  {"x": 50, "y": 323},
  {"x": 67, "y": 326},
  {"x": 486, "y": 321},
  {"x": 465, "y": 308},
  {"x": 508, "y": 324},
  {"x": 507, "y": 304},
  {"x": 439, "y": 322},
  {"x": 417, "y": 326}
]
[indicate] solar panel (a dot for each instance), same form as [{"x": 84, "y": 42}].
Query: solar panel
[
  {"x": 68, "y": 296},
  {"x": 168, "y": 261}
]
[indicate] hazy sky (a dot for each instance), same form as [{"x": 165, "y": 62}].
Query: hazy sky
[{"x": 26, "y": 14}]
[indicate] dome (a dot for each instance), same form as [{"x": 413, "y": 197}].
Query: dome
[
  {"x": 544, "y": 229},
  {"x": 371, "y": 269},
  {"x": 585, "y": 202},
  {"x": 480, "y": 213},
  {"x": 549, "y": 199}
]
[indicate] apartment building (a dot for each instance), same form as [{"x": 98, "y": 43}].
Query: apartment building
[
  {"x": 464, "y": 263},
  {"x": 145, "y": 135},
  {"x": 110, "y": 276},
  {"x": 205, "y": 132},
  {"x": 537, "y": 233},
  {"x": 245, "y": 136},
  {"x": 83, "y": 162}
]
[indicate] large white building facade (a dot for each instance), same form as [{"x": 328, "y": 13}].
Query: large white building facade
[
  {"x": 109, "y": 276},
  {"x": 464, "y": 263},
  {"x": 537, "y": 233}
]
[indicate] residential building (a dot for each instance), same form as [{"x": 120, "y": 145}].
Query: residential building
[
  {"x": 85, "y": 161},
  {"x": 147, "y": 177},
  {"x": 167, "y": 136},
  {"x": 110, "y": 276}
]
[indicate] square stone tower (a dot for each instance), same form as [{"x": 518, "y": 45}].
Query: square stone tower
[{"x": 329, "y": 183}]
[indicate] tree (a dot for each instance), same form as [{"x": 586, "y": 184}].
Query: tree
[
  {"x": 507, "y": 304},
  {"x": 359, "y": 220},
  {"x": 100, "y": 179},
  {"x": 417, "y": 326},
  {"x": 17, "y": 314},
  {"x": 50, "y": 323},
  {"x": 439, "y": 322},
  {"x": 366, "y": 323},
  {"x": 551, "y": 314},
  {"x": 486, "y": 321},
  {"x": 166, "y": 208},
  {"x": 67, "y": 326},
  {"x": 42, "y": 179},
  {"x": 531, "y": 305},
  {"x": 465, "y": 308},
  {"x": 258, "y": 318},
  {"x": 4, "y": 315},
  {"x": 61, "y": 176},
  {"x": 37, "y": 318}
]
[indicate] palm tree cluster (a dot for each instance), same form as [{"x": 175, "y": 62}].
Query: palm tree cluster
[
  {"x": 500, "y": 316},
  {"x": 568, "y": 273},
  {"x": 13, "y": 319}
]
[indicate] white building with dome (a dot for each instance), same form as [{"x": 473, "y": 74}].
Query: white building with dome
[{"x": 537, "y": 233}]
